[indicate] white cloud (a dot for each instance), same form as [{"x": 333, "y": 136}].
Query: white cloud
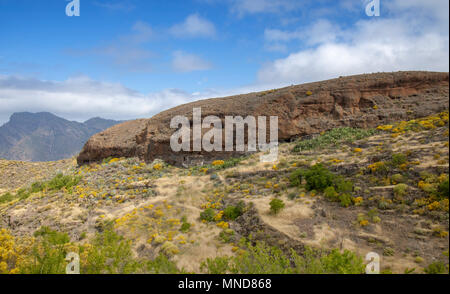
[
  {"x": 320, "y": 32},
  {"x": 194, "y": 26},
  {"x": 185, "y": 62},
  {"x": 81, "y": 98},
  {"x": 405, "y": 39}
]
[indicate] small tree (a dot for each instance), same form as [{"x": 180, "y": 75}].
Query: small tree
[{"x": 276, "y": 205}]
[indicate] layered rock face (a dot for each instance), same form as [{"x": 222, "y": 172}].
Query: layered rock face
[{"x": 363, "y": 101}]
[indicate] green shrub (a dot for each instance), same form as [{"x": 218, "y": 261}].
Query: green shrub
[
  {"x": 37, "y": 187},
  {"x": 58, "y": 182},
  {"x": 295, "y": 178},
  {"x": 226, "y": 235},
  {"x": 218, "y": 265},
  {"x": 7, "y": 197},
  {"x": 383, "y": 204},
  {"x": 53, "y": 237},
  {"x": 331, "y": 194},
  {"x": 333, "y": 137},
  {"x": 334, "y": 262},
  {"x": 263, "y": 259},
  {"x": 443, "y": 189},
  {"x": 372, "y": 214},
  {"x": 230, "y": 162},
  {"x": 23, "y": 194},
  {"x": 233, "y": 212},
  {"x": 162, "y": 265},
  {"x": 437, "y": 267},
  {"x": 169, "y": 248},
  {"x": 292, "y": 196},
  {"x": 110, "y": 254},
  {"x": 185, "y": 226},
  {"x": 61, "y": 181},
  {"x": 400, "y": 189},
  {"x": 318, "y": 178},
  {"x": 343, "y": 186},
  {"x": 398, "y": 159},
  {"x": 398, "y": 178},
  {"x": 345, "y": 199},
  {"x": 276, "y": 205},
  {"x": 48, "y": 253},
  {"x": 207, "y": 215}
]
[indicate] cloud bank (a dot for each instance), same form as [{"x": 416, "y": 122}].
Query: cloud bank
[
  {"x": 81, "y": 98},
  {"x": 413, "y": 35}
]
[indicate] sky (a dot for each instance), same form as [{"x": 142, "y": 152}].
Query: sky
[{"x": 134, "y": 58}]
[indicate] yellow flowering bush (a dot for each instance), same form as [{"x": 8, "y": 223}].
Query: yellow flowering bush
[
  {"x": 377, "y": 166},
  {"x": 357, "y": 200},
  {"x": 218, "y": 216},
  {"x": 223, "y": 225},
  {"x": 218, "y": 162},
  {"x": 9, "y": 253},
  {"x": 113, "y": 160},
  {"x": 158, "y": 166},
  {"x": 385, "y": 127},
  {"x": 433, "y": 206},
  {"x": 363, "y": 223},
  {"x": 426, "y": 123}
]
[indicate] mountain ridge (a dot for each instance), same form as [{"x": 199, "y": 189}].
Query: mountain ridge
[{"x": 43, "y": 136}]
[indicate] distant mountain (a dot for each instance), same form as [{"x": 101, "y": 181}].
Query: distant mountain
[{"x": 46, "y": 137}]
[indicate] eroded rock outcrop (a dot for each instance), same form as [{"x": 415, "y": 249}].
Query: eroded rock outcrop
[{"x": 363, "y": 101}]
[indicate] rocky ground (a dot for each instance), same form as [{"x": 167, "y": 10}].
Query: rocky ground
[{"x": 395, "y": 206}]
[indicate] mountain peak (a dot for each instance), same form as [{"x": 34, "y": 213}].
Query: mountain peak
[
  {"x": 19, "y": 116},
  {"x": 44, "y": 136}
]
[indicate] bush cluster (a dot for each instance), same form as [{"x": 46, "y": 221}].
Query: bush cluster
[
  {"x": 263, "y": 259},
  {"x": 233, "y": 212},
  {"x": 333, "y": 137},
  {"x": 207, "y": 215},
  {"x": 58, "y": 182},
  {"x": 319, "y": 178}
]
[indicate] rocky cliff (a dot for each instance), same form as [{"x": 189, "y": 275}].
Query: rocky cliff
[{"x": 362, "y": 101}]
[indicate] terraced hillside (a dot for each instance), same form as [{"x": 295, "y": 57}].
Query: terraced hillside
[{"x": 327, "y": 202}]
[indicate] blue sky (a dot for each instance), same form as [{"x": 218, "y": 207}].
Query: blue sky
[{"x": 133, "y": 58}]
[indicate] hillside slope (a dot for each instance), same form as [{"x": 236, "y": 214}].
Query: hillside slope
[{"x": 382, "y": 190}]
